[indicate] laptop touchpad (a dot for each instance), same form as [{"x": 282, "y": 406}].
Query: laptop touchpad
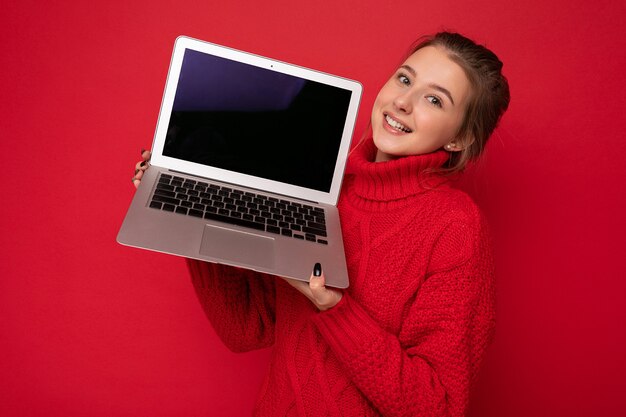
[{"x": 237, "y": 247}]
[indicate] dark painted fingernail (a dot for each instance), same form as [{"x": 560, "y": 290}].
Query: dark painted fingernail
[
  {"x": 317, "y": 269},
  {"x": 143, "y": 163},
  {"x": 136, "y": 171}
]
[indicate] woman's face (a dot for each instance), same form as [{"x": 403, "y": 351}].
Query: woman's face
[{"x": 421, "y": 108}]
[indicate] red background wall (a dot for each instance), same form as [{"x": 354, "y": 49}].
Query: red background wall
[{"x": 91, "y": 328}]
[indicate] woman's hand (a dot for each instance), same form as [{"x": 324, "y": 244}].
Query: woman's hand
[
  {"x": 141, "y": 167},
  {"x": 316, "y": 291}
]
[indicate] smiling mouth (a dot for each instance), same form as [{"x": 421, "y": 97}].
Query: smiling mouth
[{"x": 397, "y": 125}]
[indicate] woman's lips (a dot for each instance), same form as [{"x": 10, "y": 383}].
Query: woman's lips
[{"x": 394, "y": 126}]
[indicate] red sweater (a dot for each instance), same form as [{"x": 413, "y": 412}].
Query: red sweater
[{"x": 409, "y": 333}]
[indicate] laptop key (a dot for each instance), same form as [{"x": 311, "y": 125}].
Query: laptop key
[
  {"x": 181, "y": 210},
  {"x": 156, "y": 204},
  {"x": 195, "y": 213},
  {"x": 230, "y": 220},
  {"x": 273, "y": 229},
  {"x": 313, "y": 231},
  {"x": 165, "y": 199},
  {"x": 162, "y": 186},
  {"x": 166, "y": 193},
  {"x": 168, "y": 207},
  {"x": 314, "y": 225}
]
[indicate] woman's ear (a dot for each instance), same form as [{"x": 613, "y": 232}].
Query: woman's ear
[
  {"x": 459, "y": 144},
  {"x": 451, "y": 147}
]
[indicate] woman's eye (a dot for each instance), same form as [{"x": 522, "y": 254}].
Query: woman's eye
[
  {"x": 404, "y": 79},
  {"x": 435, "y": 101}
]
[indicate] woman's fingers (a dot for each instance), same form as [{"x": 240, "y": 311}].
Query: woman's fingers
[
  {"x": 316, "y": 291},
  {"x": 140, "y": 167},
  {"x": 137, "y": 178},
  {"x": 323, "y": 296}
]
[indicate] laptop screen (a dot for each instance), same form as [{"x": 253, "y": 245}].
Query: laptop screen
[{"x": 255, "y": 121}]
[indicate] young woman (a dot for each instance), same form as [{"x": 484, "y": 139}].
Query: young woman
[{"x": 408, "y": 335}]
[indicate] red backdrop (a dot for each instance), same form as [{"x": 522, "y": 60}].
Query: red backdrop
[{"x": 91, "y": 328}]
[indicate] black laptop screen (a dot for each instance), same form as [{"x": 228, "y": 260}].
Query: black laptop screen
[{"x": 255, "y": 121}]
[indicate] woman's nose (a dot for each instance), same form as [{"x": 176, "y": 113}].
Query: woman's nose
[{"x": 402, "y": 103}]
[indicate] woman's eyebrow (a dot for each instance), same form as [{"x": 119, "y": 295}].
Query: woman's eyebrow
[
  {"x": 443, "y": 90},
  {"x": 409, "y": 69},
  {"x": 431, "y": 85}
]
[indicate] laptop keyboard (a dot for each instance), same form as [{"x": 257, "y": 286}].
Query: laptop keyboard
[{"x": 256, "y": 211}]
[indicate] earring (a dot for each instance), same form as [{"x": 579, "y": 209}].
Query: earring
[{"x": 449, "y": 146}]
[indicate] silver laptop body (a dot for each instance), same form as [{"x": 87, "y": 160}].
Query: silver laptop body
[{"x": 247, "y": 163}]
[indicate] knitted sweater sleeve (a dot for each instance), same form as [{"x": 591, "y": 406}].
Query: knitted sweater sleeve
[
  {"x": 425, "y": 369},
  {"x": 240, "y": 304}
]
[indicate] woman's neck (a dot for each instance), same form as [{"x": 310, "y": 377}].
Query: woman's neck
[{"x": 393, "y": 179}]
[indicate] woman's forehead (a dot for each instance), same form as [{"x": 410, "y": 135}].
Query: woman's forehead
[{"x": 433, "y": 65}]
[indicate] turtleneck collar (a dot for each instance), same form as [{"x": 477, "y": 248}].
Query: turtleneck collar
[{"x": 380, "y": 182}]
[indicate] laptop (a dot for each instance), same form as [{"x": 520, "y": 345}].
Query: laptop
[{"x": 247, "y": 163}]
